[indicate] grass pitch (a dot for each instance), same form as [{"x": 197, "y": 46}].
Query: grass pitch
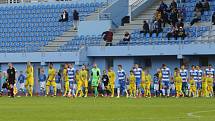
[{"x": 106, "y": 109}]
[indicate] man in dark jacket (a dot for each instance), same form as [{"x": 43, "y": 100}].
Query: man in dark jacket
[
  {"x": 145, "y": 28},
  {"x": 64, "y": 16},
  {"x": 213, "y": 18},
  {"x": 75, "y": 19},
  {"x": 108, "y": 37}
]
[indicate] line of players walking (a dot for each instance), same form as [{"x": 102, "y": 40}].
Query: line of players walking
[{"x": 76, "y": 83}]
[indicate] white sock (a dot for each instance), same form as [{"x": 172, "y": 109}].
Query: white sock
[
  {"x": 168, "y": 92},
  {"x": 163, "y": 91},
  {"x": 118, "y": 92}
]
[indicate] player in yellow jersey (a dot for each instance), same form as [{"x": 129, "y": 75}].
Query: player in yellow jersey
[
  {"x": 204, "y": 85},
  {"x": 178, "y": 83},
  {"x": 132, "y": 84},
  {"x": 79, "y": 82},
  {"x": 29, "y": 79},
  {"x": 192, "y": 87},
  {"x": 142, "y": 83},
  {"x": 51, "y": 80},
  {"x": 84, "y": 79},
  {"x": 112, "y": 77},
  {"x": 148, "y": 80},
  {"x": 210, "y": 85},
  {"x": 66, "y": 80}
]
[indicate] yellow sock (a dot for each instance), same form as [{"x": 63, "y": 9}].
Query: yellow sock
[
  {"x": 149, "y": 93},
  {"x": 76, "y": 94},
  {"x": 86, "y": 91},
  {"x": 112, "y": 92},
  {"x": 47, "y": 90},
  {"x": 30, "y": 90},
  {"x": 131, "y": 92},
  {"x": 81, "y": 93},
  {"x": 55, "y": 90}
]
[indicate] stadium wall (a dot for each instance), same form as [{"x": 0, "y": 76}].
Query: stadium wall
[
  {"x": 178, "y": 50},
  {"x": 94, "y": 27},
  {"x": 117, "y": 10}
]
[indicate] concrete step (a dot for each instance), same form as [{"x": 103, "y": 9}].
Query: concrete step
[
  {"x": 130, "y": 26},
  {"x": 49, "y": 49}
]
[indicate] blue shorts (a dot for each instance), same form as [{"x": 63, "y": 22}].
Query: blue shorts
[
  {"x": 122, "y": 84},
  {"x": 165, "y": 84},
  {"x": 138, "y": 81},
  {"x": 199, "y": 85},
  {"x": 71, "y": 84}
]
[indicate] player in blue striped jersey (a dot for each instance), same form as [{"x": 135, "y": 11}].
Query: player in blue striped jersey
[
  {"x": 138, "y": 74},
  {"x": 184, "y": 75},
  {"x": 194, "y": 74},
  {"x": 71, "y": 76},
  {"x": 199, "y": 83},
  {"x": 211, "y": 71},
  {"x": 121, "y": 82},
  {"x": 166, "y": 73}
]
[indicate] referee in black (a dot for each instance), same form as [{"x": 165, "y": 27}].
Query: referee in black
[{"x": 11, "y": 76}]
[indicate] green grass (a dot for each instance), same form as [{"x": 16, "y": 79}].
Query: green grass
[{"x": 106, "y": 109}]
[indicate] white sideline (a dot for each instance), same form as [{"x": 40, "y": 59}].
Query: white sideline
[{"x": 193, "y": 114}]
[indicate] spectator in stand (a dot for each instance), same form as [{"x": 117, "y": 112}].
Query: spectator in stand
[
  {"x": 206, "y": 6},
  {"x": 181, "y": 33},
  {"x": 108, "y": 37},
  {"x": 165, "y": 18},
  {"x": 157, "y": 27},
  {"x": 174, "y": 17},
  {"x": 64, "y": 16},
  {"x": 158, "y": 15},
  {"x": 126, "y": 37},
  {"x": 172, "y": 33},
  {"x": 180, "y": 24},
  {"x": 173, "y": 5},
  {"x": 75, "y": 19},
  {"x": 145, "y": 28},
  {"x": 213, "y": 18},
  {"x": 180, "y": 15},
  {"x": 163, "y": 6},
  {"x": 199, "y": 6},
  {"x": 197, "y": 17}
]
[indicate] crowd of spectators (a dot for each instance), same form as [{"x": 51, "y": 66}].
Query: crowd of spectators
[{"x": 174, "y": 16}]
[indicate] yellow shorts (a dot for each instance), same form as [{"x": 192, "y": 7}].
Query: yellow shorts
[
  {"x": 51, "y": 83},
  {"x": 210, "y": 88},
  {"x": 85, "y": 83},
  {"x": 178, "y": 87},
  {"x": 111, "y": 86},
  {"x": 192, "y": 89},
  {"x": 132, "y": 87},
  {"x": 143, "y": 85},
  {"x": 147, "y": 86},
  {"x": 29, "y": 82}
]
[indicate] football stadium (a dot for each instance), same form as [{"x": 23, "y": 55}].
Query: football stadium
[{"x": 107, "y": 60}]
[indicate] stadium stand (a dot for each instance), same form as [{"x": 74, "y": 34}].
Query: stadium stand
[
  {"x": 30, "y": 27},
  {"x": 196, "y": 32},
  {"x": 27, "y": 27}
]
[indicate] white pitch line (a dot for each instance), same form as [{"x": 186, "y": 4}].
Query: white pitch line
[{"x": 193, "y": 114}]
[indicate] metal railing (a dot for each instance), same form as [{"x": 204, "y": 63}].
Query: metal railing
[{"x": 136, "y": 3}]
